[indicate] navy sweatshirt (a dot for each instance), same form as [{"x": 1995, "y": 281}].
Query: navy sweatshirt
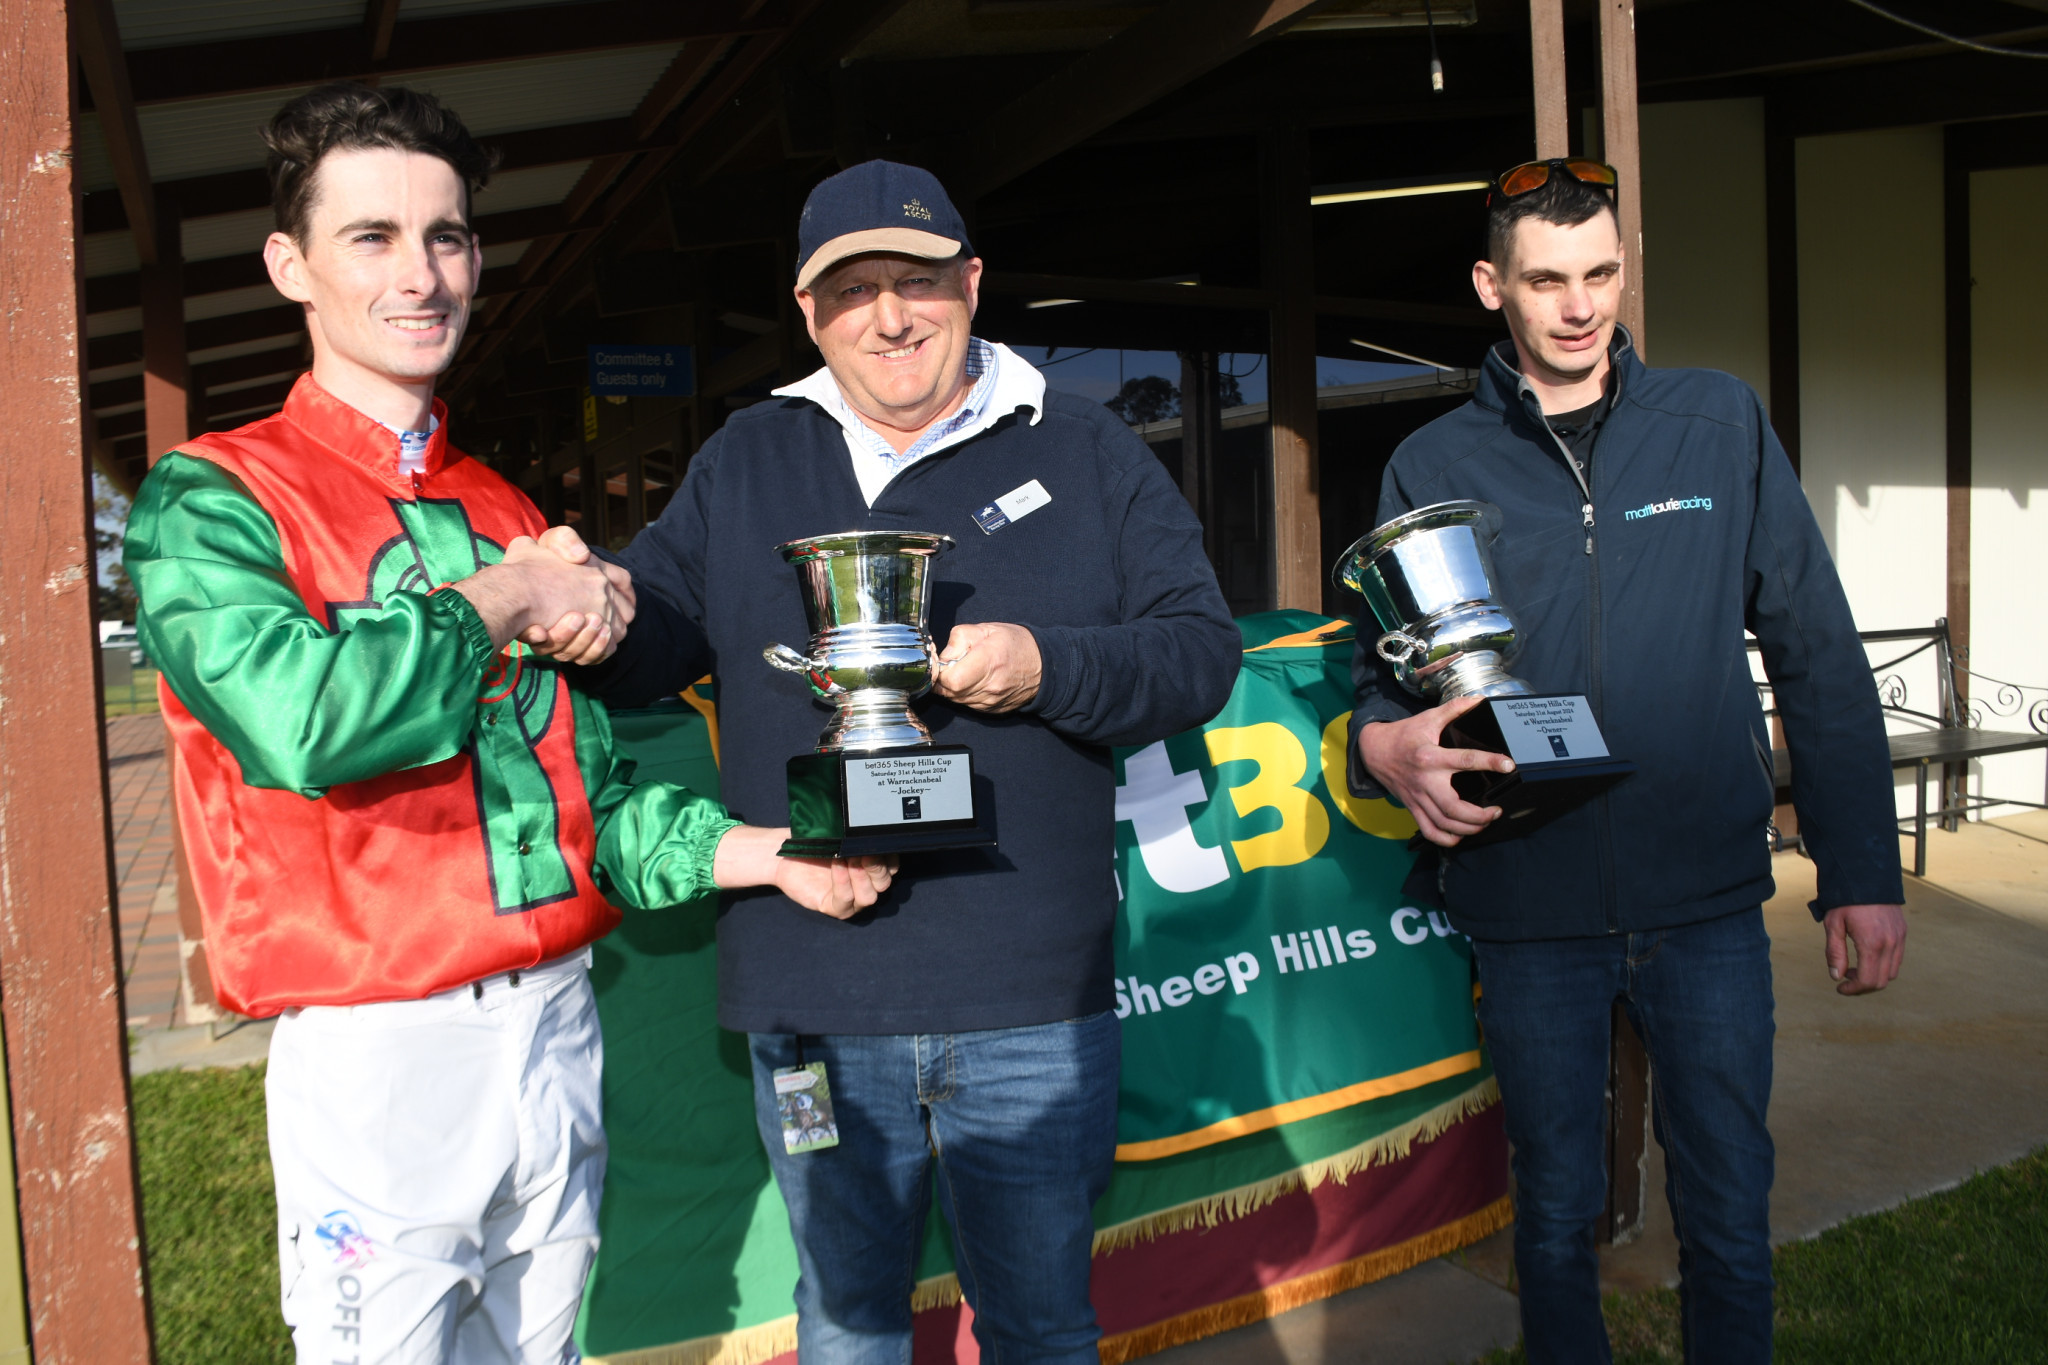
[
  {"x": 1137, "y": 644},
  {"x": 1699, "y": 530}
]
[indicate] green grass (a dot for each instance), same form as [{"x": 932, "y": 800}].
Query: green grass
[
  {"x": 211, "y": 1218},
  {"x": 137, "y": 699},
  {"x": 1958, "y": 1277}
]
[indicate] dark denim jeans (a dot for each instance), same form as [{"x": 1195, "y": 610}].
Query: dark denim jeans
[
  {"x": 1021, "y": 1126},
  {"x": 1700, "y": 998}
]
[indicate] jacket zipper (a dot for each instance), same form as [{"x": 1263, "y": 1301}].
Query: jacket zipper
[{"x": 1609, "y": 911}]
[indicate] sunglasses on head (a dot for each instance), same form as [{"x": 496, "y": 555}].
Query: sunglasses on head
[{"x": 1531, "y": 176}]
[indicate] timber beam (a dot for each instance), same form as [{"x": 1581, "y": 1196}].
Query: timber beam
[
  {"x": 282, "y": 60},
  {"x": 1149, "y": 59}
]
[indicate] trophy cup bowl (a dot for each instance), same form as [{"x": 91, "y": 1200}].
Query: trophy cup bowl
[
  {"x": 867, "y": 598},
  {"x": 875, "y": 784},
  {"x": 1428, "y": 577}
]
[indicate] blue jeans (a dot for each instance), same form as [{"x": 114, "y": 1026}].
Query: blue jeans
[
  {"x": 1021, "y": 1125},
  {"x": 1700, "y": 999}
]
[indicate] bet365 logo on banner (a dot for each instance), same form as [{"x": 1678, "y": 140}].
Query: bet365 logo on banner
[
  {"x": 1262, "y": 766},
  {"x": 1276, "y": 824}
]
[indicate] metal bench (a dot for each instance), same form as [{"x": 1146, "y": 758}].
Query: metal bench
[{"x": 1958, "y": 733}]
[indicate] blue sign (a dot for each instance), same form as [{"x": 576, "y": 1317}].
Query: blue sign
[{"x": 648, "y": 371}]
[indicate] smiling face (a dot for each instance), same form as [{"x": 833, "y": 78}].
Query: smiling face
[
  {"x": 387, "y": 270},
  {"x": 893, "y": 331},
  {"x": 1560, "y": 291}
]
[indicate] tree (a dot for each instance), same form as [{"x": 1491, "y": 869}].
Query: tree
[
  {"x": 1147, "y": 398},
  {"x": 113, "y": 594}
]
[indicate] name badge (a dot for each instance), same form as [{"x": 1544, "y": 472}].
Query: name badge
[{"x": 1014, "y": 505}]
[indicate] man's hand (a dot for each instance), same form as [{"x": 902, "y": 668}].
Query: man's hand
[
  {"x": 839, "y": 887},
  {"x": 1407, "y": 757},
  {"x": 533, "y": 586},
  {"x": 989, "y": 667},
  {"x": 575, "y": 638},
  {"x": 1879, "y": 933}
]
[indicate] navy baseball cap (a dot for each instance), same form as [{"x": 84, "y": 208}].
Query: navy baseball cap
[{"x": 877, "y": 206}]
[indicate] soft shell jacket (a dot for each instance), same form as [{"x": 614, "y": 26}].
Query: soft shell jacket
[
  {"x": 1634, "y": 589},
  {"x": 1137, "y": 644},
  {"x": 377, "y": 804}
]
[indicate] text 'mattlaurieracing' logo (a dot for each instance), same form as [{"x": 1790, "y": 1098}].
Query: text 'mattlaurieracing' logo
[{"x": 1651, "y": 509}]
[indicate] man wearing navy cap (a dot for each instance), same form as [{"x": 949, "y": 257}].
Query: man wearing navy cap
[{"x": 965, "y": 1020}]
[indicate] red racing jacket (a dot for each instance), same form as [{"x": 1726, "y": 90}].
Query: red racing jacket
[{"x": 377, "y": 803}]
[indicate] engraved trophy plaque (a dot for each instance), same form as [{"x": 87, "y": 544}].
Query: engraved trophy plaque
[
  {"x": 1429, "y": 579},
  {"x": 876, "y": 783}
]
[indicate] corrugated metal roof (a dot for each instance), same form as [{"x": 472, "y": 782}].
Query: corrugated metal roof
[
  {"x": 199, "y": 306},
  {"x": 172, "y": 23},
  {"x": 504, "y": 253},
  {"x": 257, "y": 382},
  {"x": 112, "y": 324},
  {"x": 529, "y": 188},
  {"x": 434, "y": 9},
  {"x": 225, "y": 234},
  {"x": 107, "y": 253},
  {"x": 201, "y": 137},
  {"x": 241, "y": 348},
  {"x": 508, "y": 97}
]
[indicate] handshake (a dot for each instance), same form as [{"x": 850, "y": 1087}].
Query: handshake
[{"x": 552, "y": 595}]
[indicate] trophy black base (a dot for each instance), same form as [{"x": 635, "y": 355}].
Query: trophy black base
[
  {"x": 1561, "y": 761},
  {"x": 853, "y": 805}
]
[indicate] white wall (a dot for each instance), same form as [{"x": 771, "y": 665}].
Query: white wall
[
  {"x": 1872, "y": 381},
  {"x": 1705, "y": 277},
  {"x": 2009, "y": 456}
]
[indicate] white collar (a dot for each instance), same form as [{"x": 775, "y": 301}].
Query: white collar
[{"x": 1019, "y": 384}]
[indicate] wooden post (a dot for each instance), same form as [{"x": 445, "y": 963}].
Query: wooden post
[
  {"x": 1956, "y": 284},
  {"x": 1546, "y": 53},
  {"x": 60, "y": 984},
  {"x": 166, "y": 374},
  {"x": 1621, "y": 137},
  {"x": 636, "y": 492},
  {"x": 1628, "y": 1109},
  {"x": 1781, "y": 254},
  {"x": 1288, "y": 243},
  {"x": 1201, "y": 422}
]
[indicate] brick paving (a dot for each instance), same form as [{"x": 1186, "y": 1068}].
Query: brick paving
[{"x": 145, "y": 872}]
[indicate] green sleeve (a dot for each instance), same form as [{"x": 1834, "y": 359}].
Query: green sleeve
[
  {"x": 655, "y": 840},
  {"x": 301, "y": 707}
]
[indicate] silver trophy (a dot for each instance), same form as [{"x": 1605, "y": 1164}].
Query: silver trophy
[
  {"x": 867, "y": 598},
  {"x": 1428, "y": 577},
  {"x": 1445, "y": 632},
  {"x": 876, "y": 783}
]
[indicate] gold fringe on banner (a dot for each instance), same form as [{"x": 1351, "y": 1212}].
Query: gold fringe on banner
[
  {"x": 1387, "y": 1147},
  {"x": 1264, "y": 1303},
  {"x": 940, "y": 1291},
  {"x": 754, "y": 1345},
  {"x": 744, "y": 1346}
]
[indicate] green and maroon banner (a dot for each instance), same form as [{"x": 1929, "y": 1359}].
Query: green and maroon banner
[{"x": 1305, "y": 1105}]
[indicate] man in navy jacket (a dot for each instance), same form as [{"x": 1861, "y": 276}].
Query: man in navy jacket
[
  {"x": 1650, "y": 518},
  {"x": 966, "y": 1019}
]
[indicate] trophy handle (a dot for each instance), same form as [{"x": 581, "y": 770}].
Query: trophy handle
[
  {"x": 789, "y": 661},
  {"x": 1405, "y": 647}
]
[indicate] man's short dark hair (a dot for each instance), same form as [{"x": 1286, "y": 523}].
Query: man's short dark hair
[
  {"x": 1563, "y": 200},
  {"x": 348, "y": 116}
]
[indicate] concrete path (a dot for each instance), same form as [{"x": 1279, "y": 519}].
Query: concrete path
[
  {"x": 232, "y": 1042},
  {"x": 1877, "y": 1099},
  {"x": 145, "y": 872}
]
